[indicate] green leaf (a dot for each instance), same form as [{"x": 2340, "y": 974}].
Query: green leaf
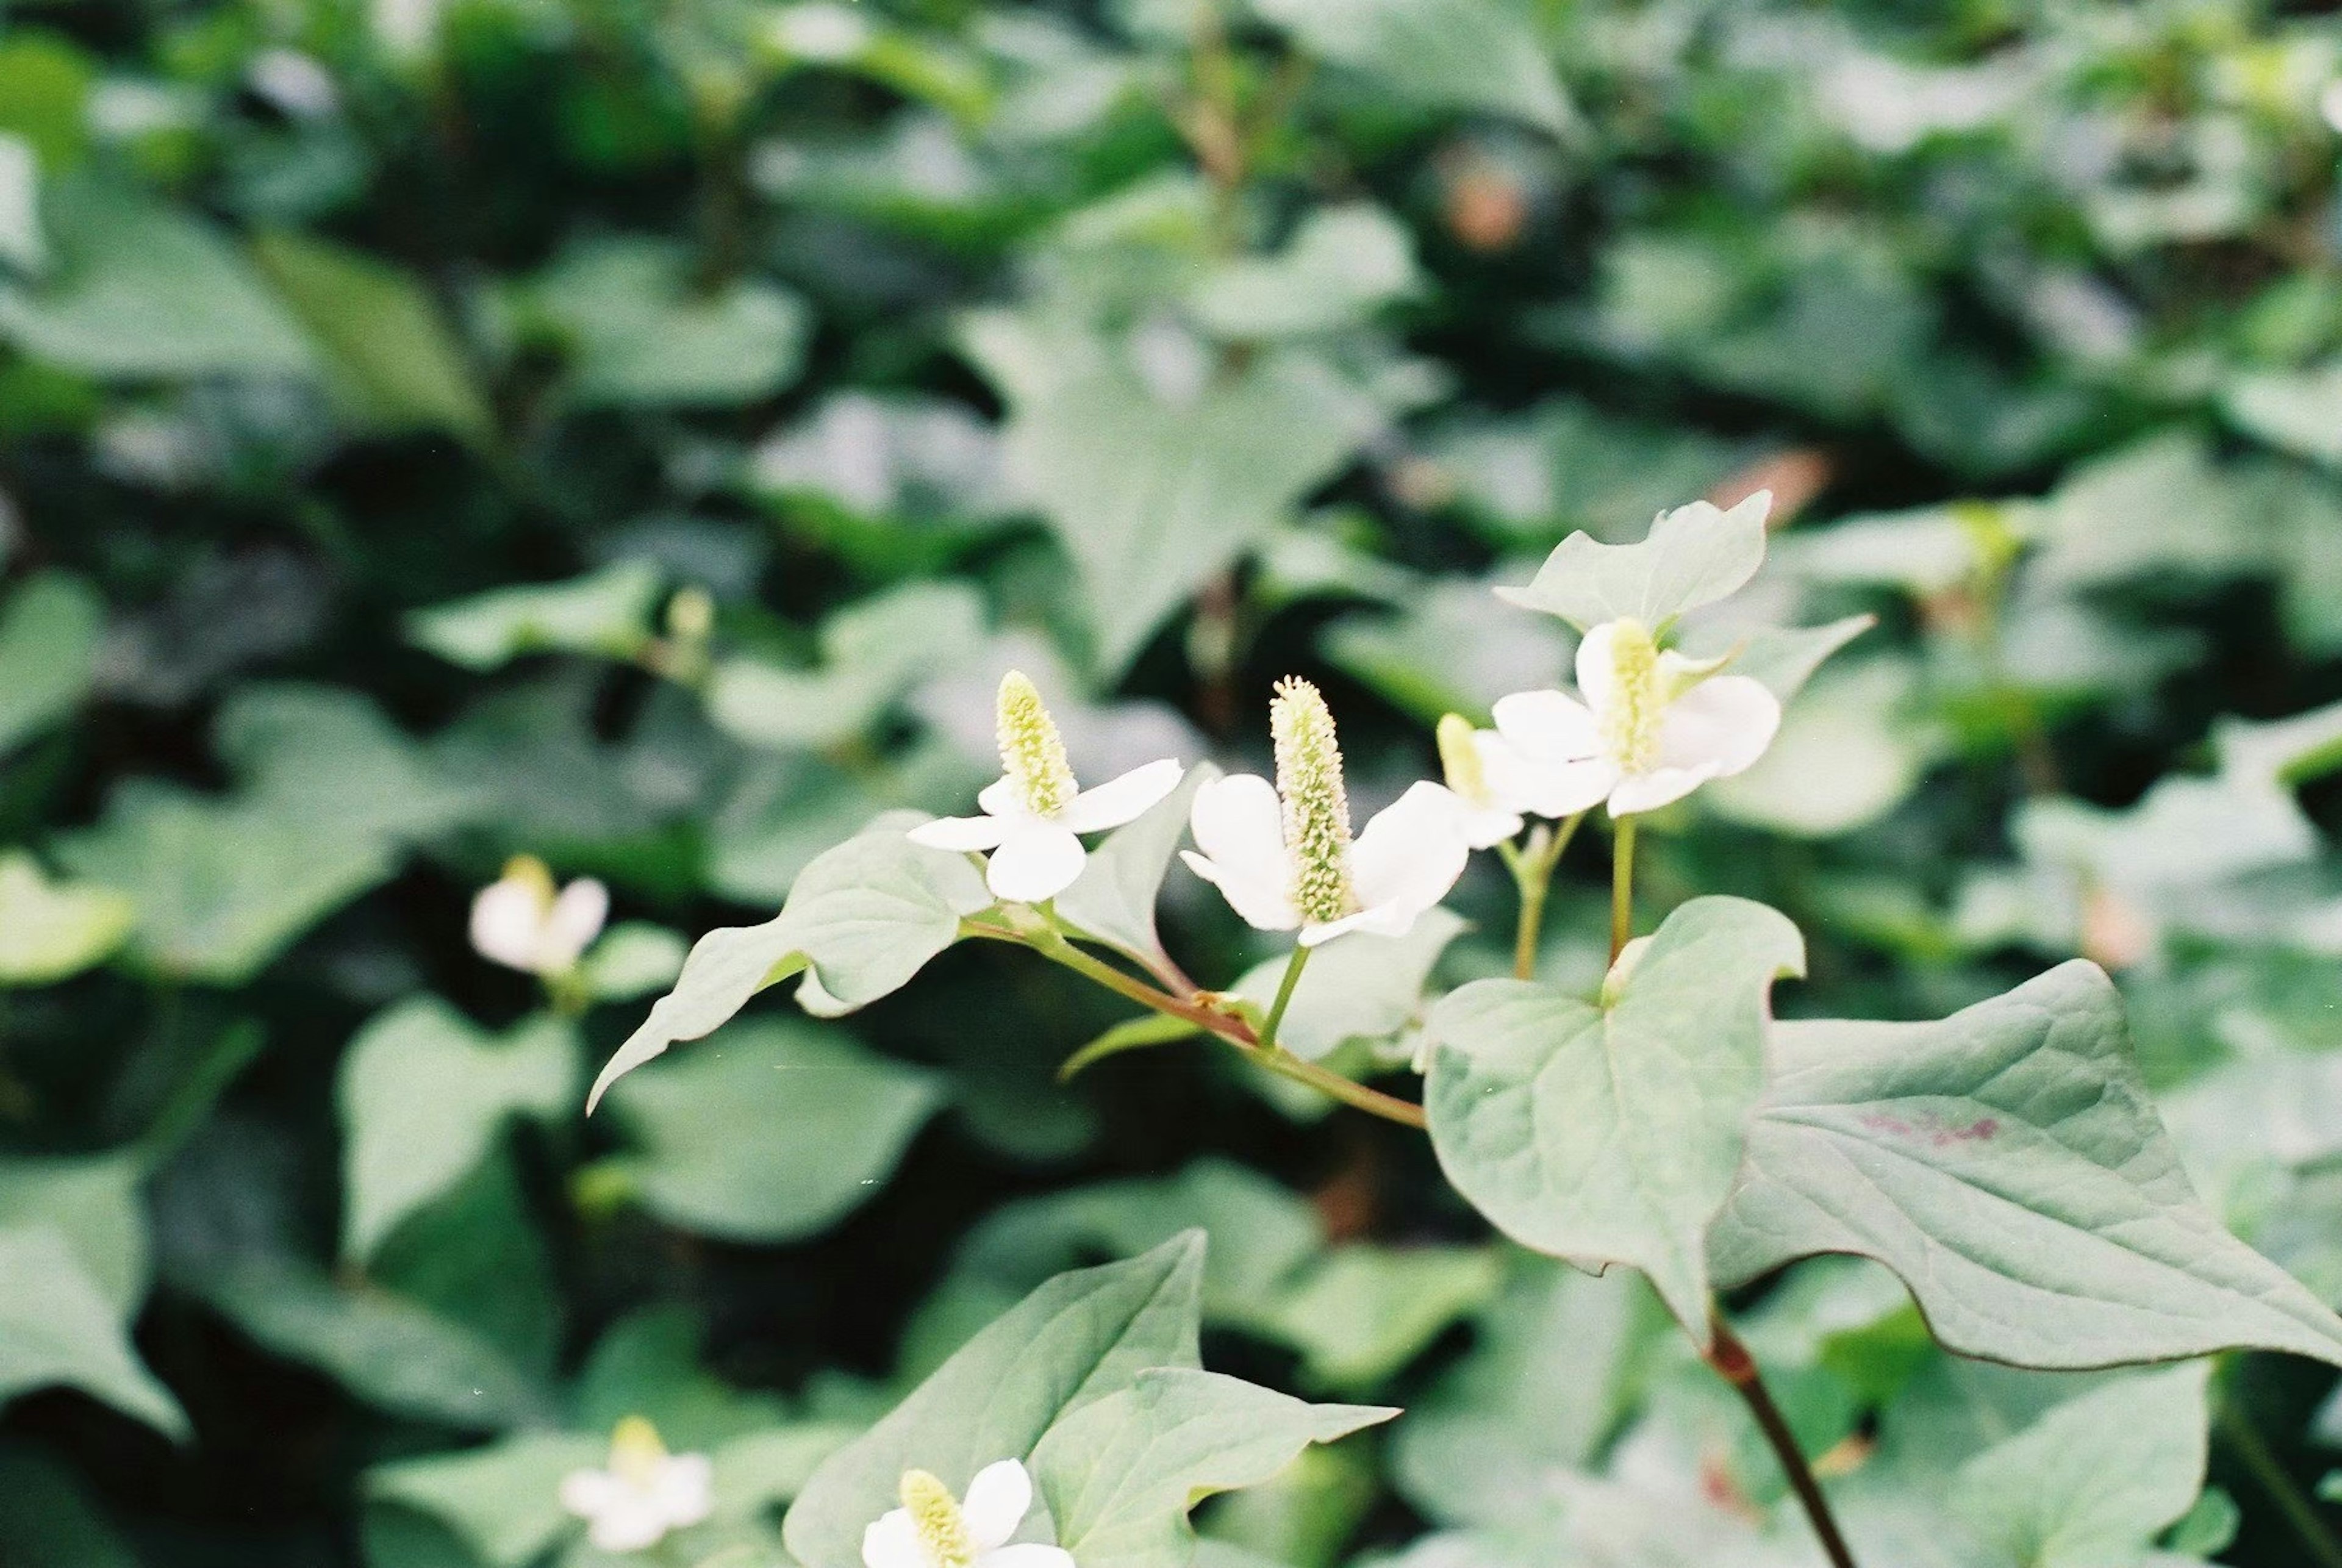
[
  {"x": 863, "y": 918},
  {"x": 1445, "y": 651},
  {"x": 874, "y": 653},
  {"x": 1611, "y": 1134},
  {"x": 503, "y": 1499},
  {"x": 632, "y": 960},
  {"x": 48, "y": 650},
  {"x": 1362, "y": 1312},
  {"x": 1120, "y": 1475},
  {"x": 1692, "y": 556},
  {"x": 2293, "y": 410},
  {"x": 2287, "y": 751},
  {"x": 93, "y": 1201},
  {"x": 328, "y": 757},
  {"x": 639, "y": 334},
  {"x": 221, "y": 888},
  {"x": 1113, "y": 898},
  {"x": 605, "y": 612},
  {"x": 2008, "y": 1164},
  {"x": 423, "y": 1094},
  {"x": 387, "y": 350},
  {"x": 1849, "y": 751},
  {"x": 1152, "y": 499},
  {"x": 50, "y": 930},
  {"x": 1443, "y": 54},
  {"x": 1341, "y": 265},
  {"x": 58, "y": 1327},
  {"x": 1363, "y": 988},
  {"x": 382, "y": 1347},
  {"x": 144, "y": 292},
  {"x": 46, "y": 1517},
  {"x": 2162, "y": 506},
  {"x": 1082, "y": 1337},
  {"x": 2096, "y": 1479},
  {"x": 771, "y": 1131},
  {"x": 22, "y": 245}
]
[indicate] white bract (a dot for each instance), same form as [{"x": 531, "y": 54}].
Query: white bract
[
  {"x": 1649, "y": 727},
  {"x": 520, "y": 922},
  {"x": 932, "y": 1529},
  {"x": 1034, "y": 810},
  {"x": 646, "y": 1492},
  {"x": 1282, "y": 854},
  {"x": 1488, "y": 776}
]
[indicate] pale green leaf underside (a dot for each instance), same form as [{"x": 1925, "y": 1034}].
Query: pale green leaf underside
[
  {"x": 1444, "y": 53},
  {"x": 1363, "y": 987},
  {"x": 1613, "y": 1136},
  {"x": 423, "y": 1094},
  {"x": 57, "y": 1326},
  {"x": 1113, "y": 898},
  {"x": 1079, "y": 1338},
  {"x": 1693, "y": 555},
  {"x": 864, "y": 917},
  {"x": 605, "y": 611},
  {"x": 1120, "y": 1475},
  {"x": 50, "y": 930},
  {"x": 770, "y": 1132},
  {"x": 2008, "y": 1163},
  {"x": 49, "y": 632}
]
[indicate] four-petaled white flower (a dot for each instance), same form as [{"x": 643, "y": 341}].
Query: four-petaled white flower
[
  {"x": 932, "y": 1529},
  {"x": 646, "y": 1492},
  {"x": 1034, "y": 810},
  {"x": 1282, "y": 854},
  {"x": 1653, "y": 726},
  {"x": 519, "y": 921}
]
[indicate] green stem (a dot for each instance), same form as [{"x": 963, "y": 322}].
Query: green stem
[
  {"x": 1622, "y": 887},
  {"x": 1532, "y": 870},
  {"x": 2253, "y": 1451},
  {"x": 1052, "y": 945},
  {"x": 1285, "y": 987},
  {"x": 1732, "y": 1361}
]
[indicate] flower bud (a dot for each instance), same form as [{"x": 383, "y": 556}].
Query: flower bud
[{"x": 1459, "y": 761}]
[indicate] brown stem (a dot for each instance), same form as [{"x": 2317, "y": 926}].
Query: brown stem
[{"x": 1732, "y": 1361}]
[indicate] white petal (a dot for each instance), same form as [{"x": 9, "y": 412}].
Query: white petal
[
  {"x": 685, "y": 1489},
  {"x": 966, "y": 833},
  {"x": 996, "y": 1503},
  {"x": 1028, "y": 1554},
  {"x": 1383, "y": 920},
  {"x": 1726, "y": 720},
  {"x": 1036, "y": 860},
  {"x": 1548, "y": 726},
  {"x": 1121, "y": 800},
  {"x": 1237, "y": 821},
  {"x": 1263, "y": 901},
  {"x": 891, "y": 1541},
  {"x": 586, "y": 1492},
  {"x": 1001, "y": 798},
  {"x": 1413, "y": 850},
  {"x": 1485, "y": 827},
  {"x": 575, "y": 921},
  {"x": 1565, "y": 789},
  {"x": 508, "y": 924},
  {"x": 1660, "y": 786},
  {"x": 1598, "y": 663},
  {"x": 630, "y": 1523}
]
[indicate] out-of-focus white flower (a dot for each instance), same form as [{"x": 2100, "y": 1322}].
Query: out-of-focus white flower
[
  {"x": 646, "y": 1492},
  {"x": 1035, "y": 811},
  {"x": 520, "y": 922},
  {"x": 932, "y": 1529},
  {"x": 1484, "y": 772},
  {"x": 1652, "y": 726},
  {"x": 1282, "y": 855}
]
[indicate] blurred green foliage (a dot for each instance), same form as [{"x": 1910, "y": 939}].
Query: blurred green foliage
[{"x": 638, "y": 435}]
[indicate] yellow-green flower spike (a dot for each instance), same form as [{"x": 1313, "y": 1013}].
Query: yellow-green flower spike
[
  {"x": 534, "y": 875},
  {"x": 1316, "y": 807},
  {"x": 1031, "y": 753},
  {"x": 635, "y": 1451},
  {"x": 1460, "y": 760},
  {"x": 1630, "y": 719},
  {"x": 935, "y": 1515}
]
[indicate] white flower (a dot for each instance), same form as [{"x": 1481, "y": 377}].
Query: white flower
[
  {"x": 934, "y": 1529},
  {"x": 1282, "y": 855},
  {"x": 1653, "y": 726},
  {"x": 518, "y": 920},
  {"x": 1483, "y": 772},
  {"x": 1034, "y": 811},
  {"x": 645, "y": 1492}
]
